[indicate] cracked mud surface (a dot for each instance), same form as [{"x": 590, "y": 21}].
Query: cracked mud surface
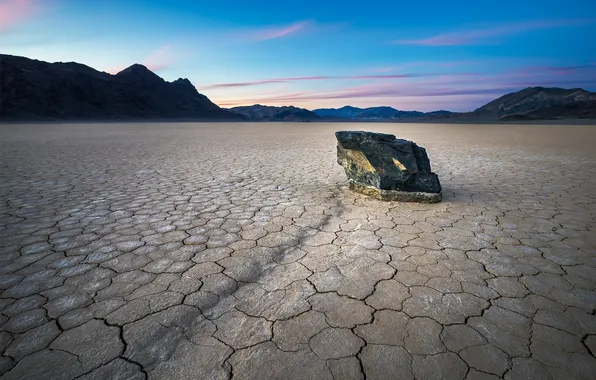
[{"x": 220, "y": 251}]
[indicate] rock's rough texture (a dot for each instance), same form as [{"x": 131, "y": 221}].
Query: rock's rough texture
[{"x": 390, "y": 169}]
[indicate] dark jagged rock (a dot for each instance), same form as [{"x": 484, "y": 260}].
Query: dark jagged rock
[
  {"x": 37, "y": 90},
  {"x": 387, "y": 168}
]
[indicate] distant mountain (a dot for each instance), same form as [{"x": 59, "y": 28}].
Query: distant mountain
[
  {"x": 387, "y": 113},
  {"x": 540, "y": 103},
  {"x": 372, "y": 113},
  {"x": 346, "y": 112},
  {"x": 532, "y": 103},
  {"x": 259, "y": 112},
  {"x": 439, "y": 113},
  {"x": 31, "y": 89}
]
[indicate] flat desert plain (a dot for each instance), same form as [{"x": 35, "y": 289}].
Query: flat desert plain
[{"x": 218, "y": 251}]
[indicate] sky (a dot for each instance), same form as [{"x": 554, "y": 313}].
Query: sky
[{"x": 411, "y": 55}]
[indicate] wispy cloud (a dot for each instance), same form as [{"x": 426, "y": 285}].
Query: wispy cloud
[
  {"x": 161, "y": 59},
  {"x": 437, "y": 65},
  {"x": 263, "y": 82},
  {"x": 310, "y": 78},
  {"x": 561, "y": 70},
  {"x": 442, "y": 89},
  {"x": 14, "y": 11},
  {"x": 369, "y": 92},
  {"x": 270, "y": 33},
  {"x": 387, "y": 76},
  {"x": 386, "y": 69},
  {"x": 490, "y": 34}
]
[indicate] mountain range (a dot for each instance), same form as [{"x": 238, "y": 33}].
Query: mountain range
[
  {"x": 259, "y": 112},
  {"x": 31, "y": 89},
  {"x": 373, "y": 113},
  {"x": 37, "y": 90}
]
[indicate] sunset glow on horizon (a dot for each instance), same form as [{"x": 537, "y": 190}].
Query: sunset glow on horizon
[{"x": 415, "y": 56}]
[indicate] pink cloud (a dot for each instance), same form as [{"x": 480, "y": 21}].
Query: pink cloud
[
  {"x": 364, "y": 91},
  {"x": 560, "y": 70},
  {"x": 372, "y": 92},
  {"x": 386, "y": 69},
  {"x": 279, "y": 32},
  {"x": 435, "y": 66},
  {"x": 456, "y": 92},
  {"x": 309, "y": 78},
  {"x": 14, "y": 11},
  {"x": 443, "y": 89},
  {"x": 487, "y": 35},
  {"x": 263, "y": 81},
  {"x": 281, "y": 99},
  {"x": 387, "y": 76},
  {"x": 161, "y": 59},
  {"x": 241, "y": 84},
  {"x": 552, "y": 75}
]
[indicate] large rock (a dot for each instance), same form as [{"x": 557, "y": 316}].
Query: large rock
[{"x": 387, "y": 168}]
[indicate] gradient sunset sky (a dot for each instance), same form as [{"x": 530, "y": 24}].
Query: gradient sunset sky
[{"x": 411, "y": 55}]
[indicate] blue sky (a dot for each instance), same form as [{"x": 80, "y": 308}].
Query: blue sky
[{"x": 422, "y": 55}]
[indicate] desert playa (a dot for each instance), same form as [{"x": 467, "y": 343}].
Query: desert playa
[{"x": 236, "y": 250}]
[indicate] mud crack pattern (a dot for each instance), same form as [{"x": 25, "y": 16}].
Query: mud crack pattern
[{"x": 220, "y": 251}]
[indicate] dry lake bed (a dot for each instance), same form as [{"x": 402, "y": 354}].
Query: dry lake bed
[{"x": 218, "y": 251}]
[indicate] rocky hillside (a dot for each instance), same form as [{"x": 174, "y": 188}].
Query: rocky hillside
[
  {"x": 259, "y": 112},
  {"x": 32, "y": 89},
  {"x": 373, "y": 113},
  {"x": 539, "y": 102}
]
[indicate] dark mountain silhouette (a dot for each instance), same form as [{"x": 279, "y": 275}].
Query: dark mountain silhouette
[
  {"x": 31, "y": 89},
  {"x": 346, "y": 112},
  {"x": 439, "y": 113},
  {"x": 540, "y": 103},
  {"x": 532, "y": 103},
  {"x": 259, "y": 112},
  {"x": 37, "y": 90},
  {"x": 578, "y": 110}
]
